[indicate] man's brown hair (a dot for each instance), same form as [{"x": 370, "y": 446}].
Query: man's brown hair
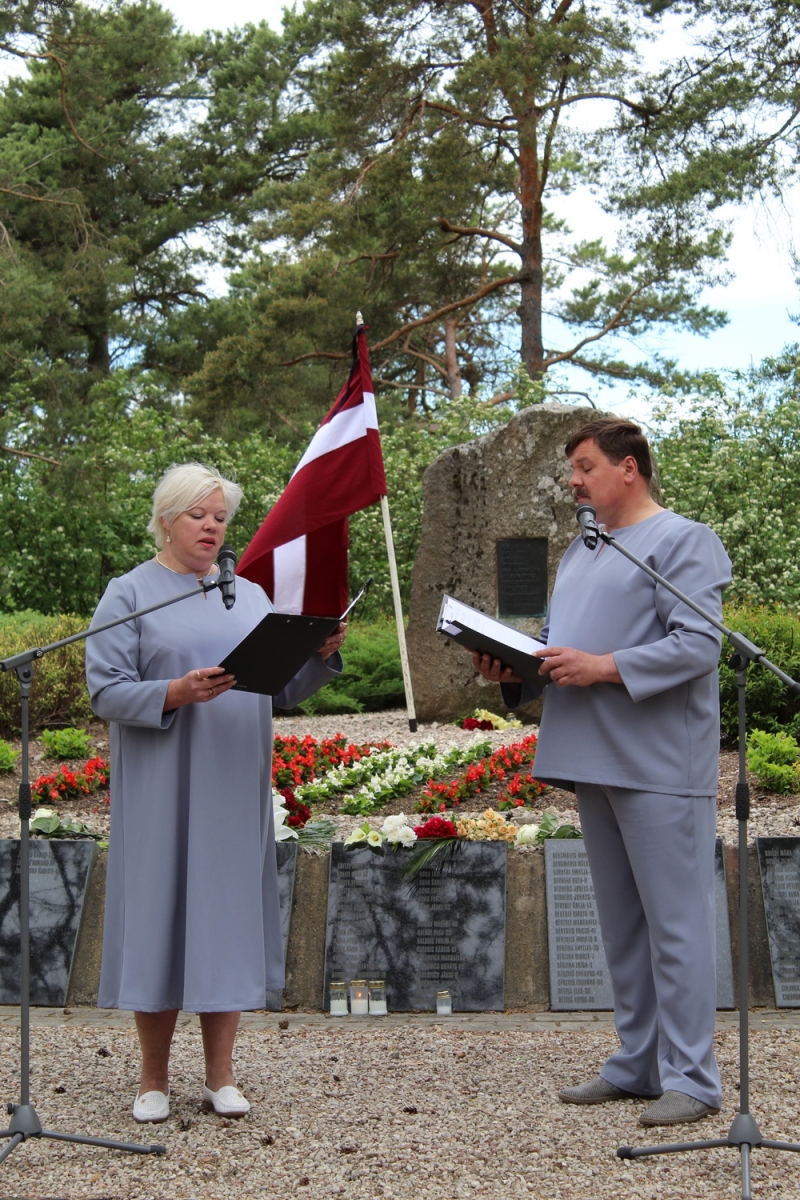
[{"x": 617, "y": 438}]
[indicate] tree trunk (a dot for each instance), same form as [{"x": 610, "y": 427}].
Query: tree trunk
[
  {"x": 451, "y": 358},
  {"x": 530, "y": 308}
]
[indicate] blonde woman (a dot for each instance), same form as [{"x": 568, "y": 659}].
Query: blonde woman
[{"x": 191, "y": 918}]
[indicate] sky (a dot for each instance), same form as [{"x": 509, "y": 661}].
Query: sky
[{"x": 759, "y": 299}]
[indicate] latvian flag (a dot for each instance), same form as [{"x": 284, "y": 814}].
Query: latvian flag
[{"x": 299, "y": 555}]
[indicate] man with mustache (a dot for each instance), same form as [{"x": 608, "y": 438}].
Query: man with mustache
[{"x": 632, "y": 726}]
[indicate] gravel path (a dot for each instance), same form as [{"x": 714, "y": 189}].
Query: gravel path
[{"x": 416, "y": 1112}]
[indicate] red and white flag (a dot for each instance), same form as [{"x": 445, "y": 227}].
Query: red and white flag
[{"x": 299, "y": 555}]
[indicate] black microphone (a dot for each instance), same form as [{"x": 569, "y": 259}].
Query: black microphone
[
  {"x": 227, "y": 579},
  {"x": 587, "y": 519}
]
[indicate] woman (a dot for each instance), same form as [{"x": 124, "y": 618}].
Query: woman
[{"x": 191, "y": 919}]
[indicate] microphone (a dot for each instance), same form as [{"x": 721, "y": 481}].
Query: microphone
[
  {"x": 587, "y": 519},
  {"x": 227, "y": 579}
]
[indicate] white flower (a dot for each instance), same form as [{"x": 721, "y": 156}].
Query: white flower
[
  {"x": 394, "y": 822},
  {"x": 406, "y": 836},
  {"x": 526, "y": 835},
  {"x": 374, "y": 838},
  {"x": 358, "y": 835},
  {"x": 282, "y": 831}
]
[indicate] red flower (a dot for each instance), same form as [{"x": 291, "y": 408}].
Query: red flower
[{"x": 436, "y": 827}]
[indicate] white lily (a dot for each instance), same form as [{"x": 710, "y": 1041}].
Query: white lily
[{"x": 279, "y": 814}]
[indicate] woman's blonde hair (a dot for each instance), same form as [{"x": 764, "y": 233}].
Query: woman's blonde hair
[{"x": 182, "y": 488}]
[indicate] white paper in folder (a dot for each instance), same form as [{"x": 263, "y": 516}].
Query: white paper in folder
[{"x": 474, "y": 630}]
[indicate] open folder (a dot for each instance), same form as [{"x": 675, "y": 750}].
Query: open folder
[
  {"x": 272, "y": 653},
  {"x": 472, "y": 629}
]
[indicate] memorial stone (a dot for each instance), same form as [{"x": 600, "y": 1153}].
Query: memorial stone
[
  {"x": 779, "y": 863},
  {"x": 485, "y": 503},
  {"x": 286, "y": 854},
  {"x": 59, "y": 875},
  {"x": 579, "y": 978},
  {"x": 445, "y": 930}
]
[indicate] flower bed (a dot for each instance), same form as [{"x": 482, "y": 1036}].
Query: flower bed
[
  {"x": 65, "y": 784},
  {"x": 388, "y": 774},
  {"x": 509, "y": 763},
  {"x": 296, "y": 761}
]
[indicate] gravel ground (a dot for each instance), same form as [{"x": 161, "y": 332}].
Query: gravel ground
[
  {"x": 410, "y": 1113},
  {"x": 772, "y": 815}
]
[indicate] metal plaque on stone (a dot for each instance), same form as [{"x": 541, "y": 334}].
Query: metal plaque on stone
[
  {"x": 521, "y": 577},
  {"x": 60, "y": 873},
  {"x": 286, "y": 854},
  {"x": 445, "y": 930},
  {"x": 579, "y": 976},
  {"x": 779, "y": 863}
]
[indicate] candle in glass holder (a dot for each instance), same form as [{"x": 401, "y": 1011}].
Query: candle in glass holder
[
  {"x": 359, "y": 997},
  {"x": 377, "y": 998},
  {"x": 339, "y": 998},
  {"x": 444, "y": 1004}
]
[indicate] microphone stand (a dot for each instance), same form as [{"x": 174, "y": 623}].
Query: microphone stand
[
  {"x": 24, "y": 1122},
  {"x": 744, "y": 1132}
]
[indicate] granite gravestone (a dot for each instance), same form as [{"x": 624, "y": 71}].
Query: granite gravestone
[
  {"x": 579, "y": 976},
  {"x": 486, "y": 503},
  {"x": 444, "y": 930},
  {"x": 286, "y": 854},
  {"x": 59, "y": 876},
  {"x": 521, "y": 577},
  {"x": 779, "y": 863}
]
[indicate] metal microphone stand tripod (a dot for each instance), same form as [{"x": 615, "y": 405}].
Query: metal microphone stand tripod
[
  {"x": 744, "y": 1132},
  {"x": 24, "y": 1122}
]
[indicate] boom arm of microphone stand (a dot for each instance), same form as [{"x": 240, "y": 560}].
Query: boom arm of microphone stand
[
  {"x": 25, "y": 657},
  {"x": 740, "y": 643}
]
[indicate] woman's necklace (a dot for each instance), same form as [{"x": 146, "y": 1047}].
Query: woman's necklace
[{"x": 174, "y": 572}]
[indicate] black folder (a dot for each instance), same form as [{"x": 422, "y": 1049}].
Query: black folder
[
  {"x": 476, "y": 630},
  {"x": 275, "y": 650},
  {"x": 279, "y": 646}
]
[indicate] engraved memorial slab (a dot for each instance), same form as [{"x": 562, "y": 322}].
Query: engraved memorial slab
[
  {"x": 521, "y": 577},
  {"x": 445, "y": 931},
  {"x": 286, "y": 853},
  {"x": 59, "y": 875},
  {"x": 579, "y": 976},
  {"x": 578, "y": 972},
  {"x": 779, "y": 863}
]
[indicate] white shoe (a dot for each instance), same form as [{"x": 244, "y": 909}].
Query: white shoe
[
  {"x": 152, "y": 1107},
  {"x": 228, "y": 1101}
]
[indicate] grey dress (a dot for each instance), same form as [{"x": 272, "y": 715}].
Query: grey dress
[{"x": 191, "y": 916}]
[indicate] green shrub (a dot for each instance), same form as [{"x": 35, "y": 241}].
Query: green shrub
[
  {"x": 65, "y": 743},
  {"x": 8, "y": 756},
  {"x": 372, "y": 678},
  {"x": 59, "y": 695},
  {"x": 774, "y": 760},
  {"x": 770, "y": 704}
]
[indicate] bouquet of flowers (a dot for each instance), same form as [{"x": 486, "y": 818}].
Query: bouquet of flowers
[
  {"x": 395, "y": 832},
  {"x": 483, "y": 719}
]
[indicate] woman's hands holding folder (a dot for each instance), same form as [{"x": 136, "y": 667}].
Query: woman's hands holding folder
[
  {"x": 334, "y": 643},
  {"x": 198, "y": 687}
]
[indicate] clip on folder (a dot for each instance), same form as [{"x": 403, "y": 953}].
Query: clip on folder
[{"x": 278, "y": 647}]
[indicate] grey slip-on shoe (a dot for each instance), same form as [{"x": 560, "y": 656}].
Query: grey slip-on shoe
[
  {"x": 596, "y": 1091},
  {"x": 676, "y": 1108}
]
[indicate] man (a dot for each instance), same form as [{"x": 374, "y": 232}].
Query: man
[{"x": 632, "y": 726}]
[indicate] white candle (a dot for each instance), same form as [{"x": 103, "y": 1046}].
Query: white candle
[
  {"x": 339, "y": 999},
  {"x": 444, "y": 1004},
  {"x": 377, "y": 1008},
  {"x": 359, "y": 998}
]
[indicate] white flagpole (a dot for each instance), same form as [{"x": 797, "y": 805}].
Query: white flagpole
[
  {"x": 398, "y": 607},
  {"x": 398, "y": 615}
]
